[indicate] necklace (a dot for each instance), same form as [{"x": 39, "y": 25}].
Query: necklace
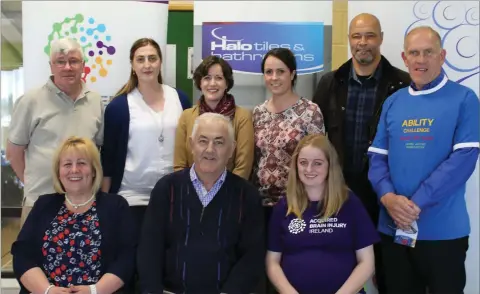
[
  {"x": 154, "y": 114},
  {"x": 162, "y": 115},
  {"x": 76, "y": 206},
  {"x": 160, "y": 138}
]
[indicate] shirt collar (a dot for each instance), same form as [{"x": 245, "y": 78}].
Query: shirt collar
[
  {"x": 51, "y": 85},
  {"x": 436, "y": 81},
  {"x": 375, "y": 75},
  {"x": 194, "y": 177}
]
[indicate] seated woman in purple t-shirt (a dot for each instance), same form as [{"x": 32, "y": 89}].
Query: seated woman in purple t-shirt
[{"x": 320, "y": 236}]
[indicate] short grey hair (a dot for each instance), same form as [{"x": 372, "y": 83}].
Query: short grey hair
[
  {"x": 426, "y": 28},
  {"x": 64, "y": 46},
  {"x": 217, "y": 117}
]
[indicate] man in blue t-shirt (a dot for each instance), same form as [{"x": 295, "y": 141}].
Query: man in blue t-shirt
[{"x": 425, "y": 150}]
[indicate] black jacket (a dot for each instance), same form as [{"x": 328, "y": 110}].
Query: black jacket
[{"x": 331, "y": 97}]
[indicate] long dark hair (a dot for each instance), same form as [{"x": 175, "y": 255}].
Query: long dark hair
[{"x": 133, "y": 80}]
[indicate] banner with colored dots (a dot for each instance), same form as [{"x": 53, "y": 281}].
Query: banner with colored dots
[{"x": 105, "y": 29}]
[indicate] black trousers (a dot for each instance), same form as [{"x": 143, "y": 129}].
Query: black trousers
[
  {"x": 438, "y": 266},
  {"x": 360, "y": 185},
  {"x": 138, "y": 213}
]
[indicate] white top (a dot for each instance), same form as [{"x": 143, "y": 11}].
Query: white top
[{"x": 148, "y": 159}]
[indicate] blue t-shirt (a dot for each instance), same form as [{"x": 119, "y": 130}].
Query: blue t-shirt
[
  {"x": 418, "y": 131},
  {"x": 318, "y": 257}
]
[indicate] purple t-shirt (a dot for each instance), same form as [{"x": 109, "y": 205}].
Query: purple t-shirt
[{"x": 319, "y": 257}]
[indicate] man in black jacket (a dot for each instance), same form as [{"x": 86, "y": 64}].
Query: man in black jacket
[{"x": 351, "y": 100}]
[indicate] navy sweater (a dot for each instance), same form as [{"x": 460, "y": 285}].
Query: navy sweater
[
  {"x": 116, "y": 225},
  {"x": 185, "y": 248},
  {"x": 115, "y": 138}
]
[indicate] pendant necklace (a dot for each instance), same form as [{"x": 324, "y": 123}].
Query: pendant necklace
[
  {"x": 160, "y": 138},
  {"x": 154, "y": 114},
  {"x": 76, "y": 206}
]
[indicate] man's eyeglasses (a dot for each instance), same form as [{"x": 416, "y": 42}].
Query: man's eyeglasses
[
  {"x": 410, "y": 230},
  {"x": 62, "y": 63}
]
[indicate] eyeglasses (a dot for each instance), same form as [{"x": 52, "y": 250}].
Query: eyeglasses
[
  {"x": 62, "y": 63},
  {"x": 410, "y": 230}
]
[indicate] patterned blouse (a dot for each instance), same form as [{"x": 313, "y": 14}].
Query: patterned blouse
[
  {"x": 276, "y": 137},
  {"x": 71, "y": 248}
]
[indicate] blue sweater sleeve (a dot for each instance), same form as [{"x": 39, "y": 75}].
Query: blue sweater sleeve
[
  {"x": 111, "y": 136},
  {"x": 447, "y": 178},
  {"x": 24, "y": 249},
  {"x": 454, "y": 172},
  {"x": 184, "y": 100},
  {"x": 153, "y": 238},
  {"x": 123, "y": 266},
  {"x": 378, "y": 173}
]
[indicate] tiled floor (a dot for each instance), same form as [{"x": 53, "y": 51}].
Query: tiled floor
[{"x": 10, "y": 229}]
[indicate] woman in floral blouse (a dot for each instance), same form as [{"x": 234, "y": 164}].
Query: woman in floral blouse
[
  {"x": 78, "y": 240},
  {"x": 280, "y": 123}
]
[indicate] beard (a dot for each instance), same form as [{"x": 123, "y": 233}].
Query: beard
[{"x": 365, "y": 59}]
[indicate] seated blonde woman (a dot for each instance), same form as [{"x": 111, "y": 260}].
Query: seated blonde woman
[
  {"x": 214, "y": 77},
  {"x": 320, "y": 236},
  {"x": 78, "y": 240}
]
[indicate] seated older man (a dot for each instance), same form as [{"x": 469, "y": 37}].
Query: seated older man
[{"x": 203, "y": 230}]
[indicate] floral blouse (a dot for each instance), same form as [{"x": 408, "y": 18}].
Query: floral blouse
[
  {"x": 276, "y": 137},
  {"x": 71, "y": 248}
]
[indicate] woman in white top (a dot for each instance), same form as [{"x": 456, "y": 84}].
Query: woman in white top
[{"x": 140, "y": 126}]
